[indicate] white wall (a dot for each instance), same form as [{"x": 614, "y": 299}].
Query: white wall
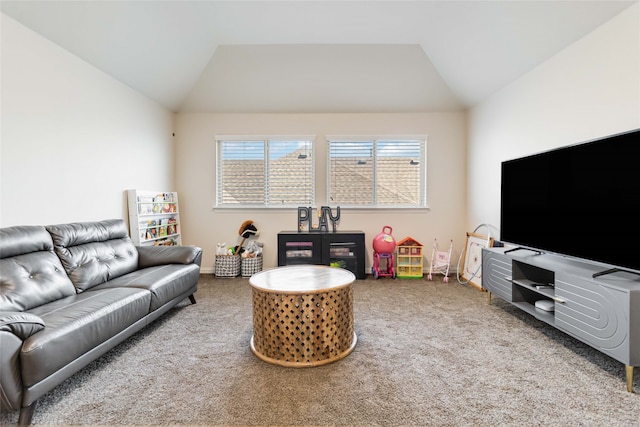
[
  {"x": 73, "y": 139},
  {"x": 589, "y": 90},
  {"x": 195, "y": 167}
]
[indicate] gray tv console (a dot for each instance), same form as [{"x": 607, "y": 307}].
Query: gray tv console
[{"x": 603, "y": 312}]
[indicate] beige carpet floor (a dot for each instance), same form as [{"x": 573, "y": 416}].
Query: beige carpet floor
[{"x": 428, "y": 354}]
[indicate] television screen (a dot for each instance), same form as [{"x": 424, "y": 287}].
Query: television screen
[{"x": 581, "y": 200}]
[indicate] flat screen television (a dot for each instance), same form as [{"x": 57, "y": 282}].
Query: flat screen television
[{"x": 581, "y": 201}]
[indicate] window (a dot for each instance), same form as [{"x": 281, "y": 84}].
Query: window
[
  {"x": 264, "y": 172},
  {"x": 377, "y": 172}
]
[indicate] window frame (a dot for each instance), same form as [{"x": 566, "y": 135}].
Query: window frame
[
  {"x": 266, "y": 139},
  {"x": 375, "y": 139}
]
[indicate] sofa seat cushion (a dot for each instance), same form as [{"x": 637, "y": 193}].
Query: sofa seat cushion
[
  {"x": 165, "y": 282},
  {"x": 77, "y": 324}
]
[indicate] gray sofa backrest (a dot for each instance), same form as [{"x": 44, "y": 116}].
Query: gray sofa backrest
[
  {"x": 32, "y": 274},
  {"x": 94, "y": 252}
]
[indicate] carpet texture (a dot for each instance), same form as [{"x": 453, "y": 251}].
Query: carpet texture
[{"x": 428, "y": 354}]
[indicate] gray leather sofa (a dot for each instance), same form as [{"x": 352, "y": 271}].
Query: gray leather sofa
[{"x": 71, "y": 292}]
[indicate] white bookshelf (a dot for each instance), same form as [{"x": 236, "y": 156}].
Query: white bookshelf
[{"x": 154, "y": 218}]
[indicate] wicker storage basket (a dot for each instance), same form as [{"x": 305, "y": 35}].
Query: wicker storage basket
[
  {"x": 227, "y": 265},
  {"x": 250, "y": 266}
]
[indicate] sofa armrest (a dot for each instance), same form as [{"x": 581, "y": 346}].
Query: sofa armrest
[
  {"x": 149, "y": 256},
  {"x": 23, "y": 325},
  {"x": 10, "y": 376}
]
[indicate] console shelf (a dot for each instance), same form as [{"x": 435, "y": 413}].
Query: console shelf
[
  {"x": 603, "y": 312},
  {"x": 344, "y": 249}
]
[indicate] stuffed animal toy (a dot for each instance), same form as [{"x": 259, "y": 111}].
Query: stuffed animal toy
[
  {"x": 253, "y": 249},
  {"x": 247, "y": 230},
  {"x": 222, "y": 249}
]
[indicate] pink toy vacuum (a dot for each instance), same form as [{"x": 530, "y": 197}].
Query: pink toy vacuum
[{"x": 384, "y": 246}]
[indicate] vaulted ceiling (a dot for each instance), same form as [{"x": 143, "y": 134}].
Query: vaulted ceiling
[{"x": 314, "y": 56}]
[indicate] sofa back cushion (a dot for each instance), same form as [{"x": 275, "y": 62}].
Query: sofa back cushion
[
  {"x": 30, "y": 272},
  {"x": 94, "y": 252}
]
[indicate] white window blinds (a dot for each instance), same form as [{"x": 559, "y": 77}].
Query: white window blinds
[
  {"x": 265, "y": 172},
  {"x": 377, "y": 172}
]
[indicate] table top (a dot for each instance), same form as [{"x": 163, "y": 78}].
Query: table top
[{"x": 301, "y": 279}]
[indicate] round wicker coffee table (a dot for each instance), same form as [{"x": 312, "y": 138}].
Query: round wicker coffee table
[{"x": 302, "y": 315}]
